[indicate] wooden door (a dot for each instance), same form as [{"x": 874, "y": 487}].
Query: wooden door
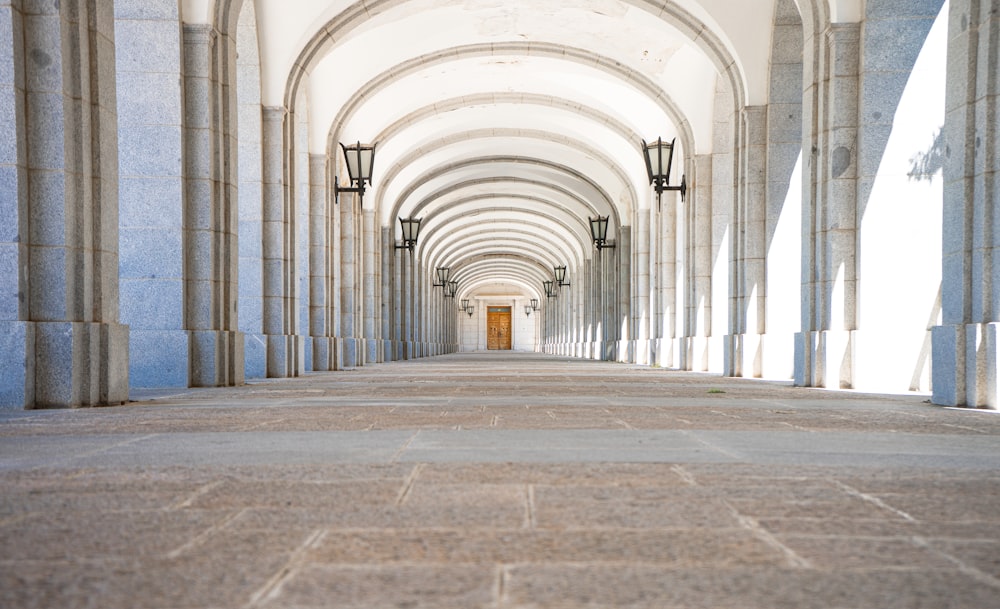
[{"x": 498, "y": 334}]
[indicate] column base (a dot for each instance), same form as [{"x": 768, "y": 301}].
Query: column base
[
  {"x": 322, "y": 348},
  {"x": 825, "y": 359},
  {"x": 701, "y": 354},
  {"x": 254, "y": 356},
  {"x": 63, "y": 364},
  {"x": 216, "y": 358},
  {"x": 285, "y": 354},
  {"x": 17, "y": 348},
  {"x": 966, "y": 366}
]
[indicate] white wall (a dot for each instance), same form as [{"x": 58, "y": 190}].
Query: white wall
[{"x": 472, "y": 330}]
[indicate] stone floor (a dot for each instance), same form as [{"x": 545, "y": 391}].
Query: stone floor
[{"x": 502, "y": 481}]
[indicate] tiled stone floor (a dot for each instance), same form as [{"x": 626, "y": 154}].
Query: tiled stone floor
[{"x": 502, "y": 481}]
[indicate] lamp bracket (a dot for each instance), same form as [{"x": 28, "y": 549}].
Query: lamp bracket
[{"x": 337, "y": 189}]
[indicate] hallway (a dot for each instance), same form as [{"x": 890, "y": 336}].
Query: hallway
[{"x": 502, "y": 480}]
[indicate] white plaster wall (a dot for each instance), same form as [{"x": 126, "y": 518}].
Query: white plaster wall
[
  {"x": 900, "y": 237},
  {"x": 472, "y": 330}
]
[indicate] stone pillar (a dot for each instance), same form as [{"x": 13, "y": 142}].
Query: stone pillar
[
  {"x": 319, "y": 265},
  {"x": 666, "y": 273},
  {"x": 250, "y": 292},
  {"x": 210, "y": 204},
  {"x": 348, "y": 280},
  {"x": 623, "y": 306},
  {"x": 368, "y": 298},
  {"x": 966, "y": 356},
  {"x": 823, "y": 350},
  {"x": 386, "y": 303},
  {"x": 407, "y": 307},
  {"x": 278, "y": 229},
  {"x": 398, "y": 309},
  {"x": 61, "y": 341},
  {"x": 641, "y": 349},
  {"x": 699, "y": 246},
  {"x": 748, "y": 246},
  {"x": 151, "y": 195}
]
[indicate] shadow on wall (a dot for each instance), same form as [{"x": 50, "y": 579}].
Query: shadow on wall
[{"x": 924, "y": 165}]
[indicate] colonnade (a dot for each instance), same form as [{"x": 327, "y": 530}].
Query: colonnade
[{"x": 201, "y": 244}]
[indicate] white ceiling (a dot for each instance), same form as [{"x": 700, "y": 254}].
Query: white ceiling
[{"x": 505, "y": 123}]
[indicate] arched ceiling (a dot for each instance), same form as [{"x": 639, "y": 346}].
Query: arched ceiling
[{"x": 504, "y": 124}]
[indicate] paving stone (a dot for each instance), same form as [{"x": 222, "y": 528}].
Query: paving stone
[
  {"x": 297, "y": 494},
  {"x": 843, "y": 552},
  {"x": 554, "y": 484},
  {"x": 410, "y": 586},
  {"x": 645, "y": 586},
  {"x": 85, "y": 534},
  {"x": 614, "y": 507},
  {"x": 686, "y": 548}
]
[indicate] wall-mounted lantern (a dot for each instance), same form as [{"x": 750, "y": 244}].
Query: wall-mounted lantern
[
  {"x": 360, "y": 159},
  {"x": 534, "y": 304},
  {"x": 527, "y": 310},
  {"x": 550, "y": 290},
  {"x": 659, "y": 157},
  {"x": 470, "y": 310},
  {"x": 411, "y": 230},
  {"x": 442, "y": 274},
  {"x": 560, "y": 275},
  {"x": 599, "y": 232}
]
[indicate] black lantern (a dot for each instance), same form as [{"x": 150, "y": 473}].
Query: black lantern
[
  {"x": 360, "y": 158},
  {"x": 560, "y": 273},
  {"x": 442, "y": 273},
  {"x": 534, "y": 304},
  {"x": 659, "y": 158},
  {"x": 550, "y": 290},
  {"x": 599, "y": 231},
  {"x": 470, "y": 310},
  {"x": 411, "y": 230},
  {"x": 527, "y": 310},
  {"x": 451, "y": 288},
  {"x": 465, "y": 304}
]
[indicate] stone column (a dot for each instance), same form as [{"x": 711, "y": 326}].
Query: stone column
[
  {"x": 386, "y": 302},
  {"x": 151, "y": 194},
  {"x": 699, "y": 246},
  {"x": 319, "y": 264},
  {"x": 368, "y": 298},
  {"x": 642, "y": 350},
  {"x": 398, "y": 309},
  {"x": 624, "y": 304},
  {"x": 966, "y": 362},
  {"x": 748, "y": 247},
  {"x": 61, "y": 341},
  {"x": 17, "y": 333},
  {"x": 210, "y": 204},
  {"x": 277, "y": 249},
  {"x": 823, "y": 350},
  {"x": 407, "y": 293},
  {"x": 667, "y": 285},
  {"x": 348, "y": 279}
]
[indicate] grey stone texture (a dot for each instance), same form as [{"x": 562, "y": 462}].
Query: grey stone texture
[
  {"x": 561, "y": 482},
  {"x": 65, "y": 346},
  {"x": 962, "y": 343}
]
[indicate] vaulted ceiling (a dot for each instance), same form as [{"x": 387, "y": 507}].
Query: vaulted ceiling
[{"x": 504, "y": 124}]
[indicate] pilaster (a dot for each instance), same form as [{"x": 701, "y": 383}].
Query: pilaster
[
  {"x": 965, "y": 347},
  {"x": 824, "y": 348}
]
